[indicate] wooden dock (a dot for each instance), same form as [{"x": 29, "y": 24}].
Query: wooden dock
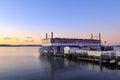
[{"x": 103, "y": 59}]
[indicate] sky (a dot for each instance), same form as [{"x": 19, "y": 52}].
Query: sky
[{"x": 27, "y": 21}]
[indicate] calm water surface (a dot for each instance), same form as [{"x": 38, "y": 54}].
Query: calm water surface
[{"x": 25, "y": 63}]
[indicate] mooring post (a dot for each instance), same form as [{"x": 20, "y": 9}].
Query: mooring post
[
  {"x": 116, "y": 59},
  {"x": 93, "y": 58},
  {"x": 101, "y": 58},
  {"x": 54, "y": 51}
]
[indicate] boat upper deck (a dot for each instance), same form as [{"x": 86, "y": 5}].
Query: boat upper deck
[{"x": 70, "y": 41}]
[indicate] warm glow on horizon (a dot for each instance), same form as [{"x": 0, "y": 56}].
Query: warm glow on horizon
[
  {"x": 24, "y": 40},
  {"x": 20, "y": 40}
]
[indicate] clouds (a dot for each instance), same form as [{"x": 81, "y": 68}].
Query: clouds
[
  {"x": 7, "y": 38},
  {"x": 10, "y": 38},
  {"x": 29, "y": 39},
  {"x": 26, "y": 39}
]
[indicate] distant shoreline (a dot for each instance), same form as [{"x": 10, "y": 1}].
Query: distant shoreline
[{"x": 20, "y": 45}]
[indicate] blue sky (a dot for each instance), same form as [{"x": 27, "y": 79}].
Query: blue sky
[{"x": 66, "y": 18}]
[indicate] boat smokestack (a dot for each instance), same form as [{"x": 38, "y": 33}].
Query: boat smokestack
[
  {"x": 46, "y": 36},
  {"x": 51, "y": 34},
  {"x": 100, "y": 36},
  {"x": 91, "y": 36}
]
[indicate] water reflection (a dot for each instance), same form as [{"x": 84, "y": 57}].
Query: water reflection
[
  {"x": 64, "y": 69},
  {"x": 25, "y": 63}
]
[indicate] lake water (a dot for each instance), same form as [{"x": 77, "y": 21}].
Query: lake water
[{"x": 25, "y": 63}]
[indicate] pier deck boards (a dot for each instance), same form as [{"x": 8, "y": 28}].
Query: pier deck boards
[{"x": 100, "y": 60}]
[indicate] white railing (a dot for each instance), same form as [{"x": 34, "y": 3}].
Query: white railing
[
  {"x": 66, "y": 44},
  {"x": 95, "y": 53}
]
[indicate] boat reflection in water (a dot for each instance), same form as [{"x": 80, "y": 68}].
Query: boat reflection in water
[{"x": 63, "y": 69}]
